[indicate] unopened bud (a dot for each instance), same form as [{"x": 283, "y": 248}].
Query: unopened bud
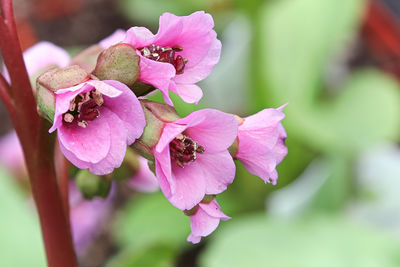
[
  {"x": 87, "y": 58},
  {"x": 130, "y": 166},
  {"x": 156, "y": 114},
  {"x": 51, "y": 81},
  {"x": 233, "y": 149},
  {"x": 120, "y": 63},
  {"x": 92, "y": 185}
]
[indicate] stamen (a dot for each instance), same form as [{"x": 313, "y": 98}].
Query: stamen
[
  {"x": 184, "y": 150},
  {"x": 84, "y": 107},
  {"x": 165, "y": 54}
]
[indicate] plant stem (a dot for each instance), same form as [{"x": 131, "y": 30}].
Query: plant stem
[{"x": 38, "y": 148}]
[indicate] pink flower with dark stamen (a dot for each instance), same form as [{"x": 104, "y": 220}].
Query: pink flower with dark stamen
[
  {"x": 41, "y": 56},
  {"x": 182, "y": 53},
  {"x": 192, "y": 159},
  {"x": 144, "y": 180},
  {"x": 205, "y": 220},
  {"x": 96, "y": 120},
  {"x": 261, "y": 143}
]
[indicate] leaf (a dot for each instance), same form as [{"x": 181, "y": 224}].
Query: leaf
[
  {"x": 317, "y": 241},
  {"x": 20, "y": 242},
  {"x": 151, "y": 219}
]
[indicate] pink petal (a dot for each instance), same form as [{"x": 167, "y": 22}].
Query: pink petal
[
  {"x": 188, "y": 187},
  {"x": 170, "y": 131},
  {"x": 191, "y": 32},
  {"x": 202, "y": 225},
  {"x": 90, "y": 144},
  {"x": 170, "y": 27},
  {"x": 63, "y": 100},
  {"x": 163, "y": 171},
  {"x": 190, "y": 93},
  {"x": 11, "y": 154},
  {"x": 158, "y": 74},
  {"x": 213, "y": 129},
  {"x": 205, "y": 220},
  {"x": 128, "y": 109},
  {"x": 262, "y": 143},
  {"x": 72, "y": 158},
  {"x": 144, "y": 180},
  {"x": 218, "y": 171},
  {"x": 213, "y": 209},
  {"x": 139, "y": 37},
  {"x": 115, "y": 38},
  {"x": 200, "y": 71},
  {"x": 117, "y": 150}
]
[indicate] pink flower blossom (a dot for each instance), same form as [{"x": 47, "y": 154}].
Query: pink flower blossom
[
  {"x": 205, "y": 220},
  {"x": 96, "y": 120},
  {"x": 182, "y": 53},
  {"x": 192, "y": 159},
  {"x": 261, "y": 143},
  {"x": 87, "y": 217},
  {"x": 42, "y": 56},
  {"x": 11, "y": 155},
  {"x": 144, "y": 180},
  {"x": 115, "y": 38}
]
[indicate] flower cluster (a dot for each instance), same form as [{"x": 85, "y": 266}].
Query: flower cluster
[{"x": 99, "y": 110}]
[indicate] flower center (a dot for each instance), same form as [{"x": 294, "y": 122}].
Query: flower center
[
  {"x": 84, "y": 107},
  {"x": 165, "y": 54},
  {"x": 184, "y": 149}
]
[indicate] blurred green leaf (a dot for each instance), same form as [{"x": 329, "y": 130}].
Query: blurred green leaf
[
  {"x": 20, "y": 242},
  {"x": 151, "y": 219},
  {"x": 160, "y": 255},
  {"x": 300, "y": 38},
  {"x": 316, "y": 241}
]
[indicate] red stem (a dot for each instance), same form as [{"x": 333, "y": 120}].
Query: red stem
[
  {"x": 61, "y": 165},
  {"x": 4, "y": 95},
  {"x": 38, "y": 149}
]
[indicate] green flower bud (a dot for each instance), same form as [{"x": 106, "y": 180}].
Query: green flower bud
[
  {"x": 130, "y": 166},
  {"x": 87, "y": 58},
  {"x": 51, "y": 81},
  {"x": 119, "y": 62},
  {"x": 156, "y": 114},
  {"x": 92, "y": 185}
]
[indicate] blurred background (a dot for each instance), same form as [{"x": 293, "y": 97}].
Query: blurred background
[{"x": 337, "y": 202}]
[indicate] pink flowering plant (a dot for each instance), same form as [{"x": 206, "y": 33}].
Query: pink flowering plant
[{"x": 96, "y": 104}]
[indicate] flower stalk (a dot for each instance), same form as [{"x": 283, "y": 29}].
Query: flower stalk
[{"x": 37, "y": 146}]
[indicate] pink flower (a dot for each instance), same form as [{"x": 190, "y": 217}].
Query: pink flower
[
  {"x": 192, "y": 159},
  {"x": 11, "y": 155},
  {"x": 87, "y": 217},
  {"x": 261, "y": 143},
  {"x": 41, "y": 56},
  {"x": 96, "y": 120},
  {"x": 205, "y": 220},
  {"x": 182, "y": 53},
  {"x": 144, "y": 180},
  {"x": 115, "y": 38}
]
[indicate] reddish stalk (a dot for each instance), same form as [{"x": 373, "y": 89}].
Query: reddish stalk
[
  {"x": 38, "y": 149},
  {"x": 61, "y": 165},
  {"x": 4, "y": 95}
]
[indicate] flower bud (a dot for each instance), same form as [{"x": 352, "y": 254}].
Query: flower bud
[
  {"x": 87, "y": 58},
  {"x": 51, "y": 81},
  {"x": 120, "y": 63},
  {"x": 130, "y": 166},
  {"x": 156, "y": 114},
  {"x": 92, "y": 185}
]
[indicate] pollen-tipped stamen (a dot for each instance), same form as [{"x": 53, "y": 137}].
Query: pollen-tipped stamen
[
  {"x": 184, "y": 150},
  {"x": 165, "y": 54},
  {"x": 84, "y": 107}
]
